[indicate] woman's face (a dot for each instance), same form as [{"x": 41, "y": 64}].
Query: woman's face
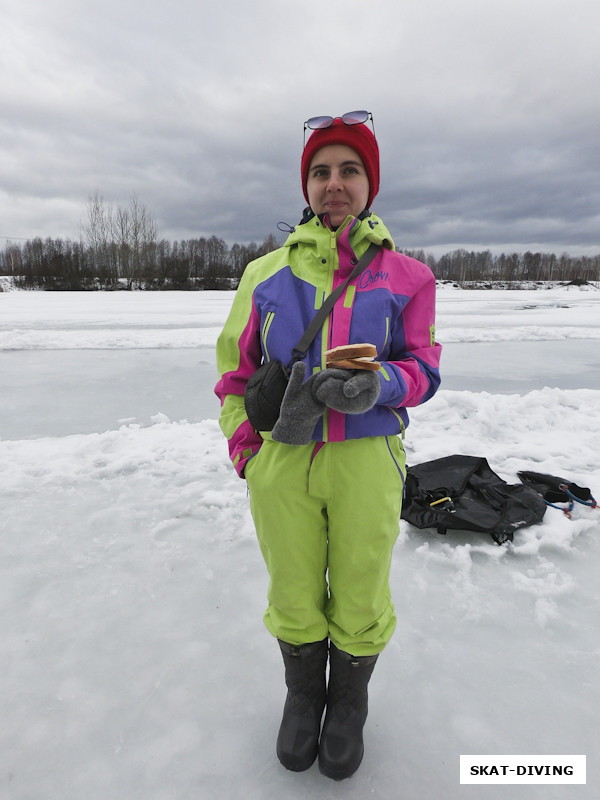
[{"x": 337, "y": 183}]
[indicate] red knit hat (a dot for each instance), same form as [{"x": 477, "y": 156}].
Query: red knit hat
[{"x": 358, "y": 137}]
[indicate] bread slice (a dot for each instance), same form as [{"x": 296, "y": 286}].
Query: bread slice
[
  {"x": 360, "y": 350},
  {"x": 353, "y": 363}
]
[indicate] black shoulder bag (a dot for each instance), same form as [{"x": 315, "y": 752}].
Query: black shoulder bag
[{"x": 266, "y": 387}]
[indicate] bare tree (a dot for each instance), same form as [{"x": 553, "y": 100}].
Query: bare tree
[
  {"x": 122, "y": 241},
  {"x": 97, "y": 236}
]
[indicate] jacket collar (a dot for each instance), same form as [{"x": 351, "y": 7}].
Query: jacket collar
[{"x": 369, "y": 228}]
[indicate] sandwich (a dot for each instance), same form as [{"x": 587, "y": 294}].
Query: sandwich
[{"x": 352, "y": 356}]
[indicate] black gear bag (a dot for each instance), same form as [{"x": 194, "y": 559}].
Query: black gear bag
[{"x": 463, "y": 493}]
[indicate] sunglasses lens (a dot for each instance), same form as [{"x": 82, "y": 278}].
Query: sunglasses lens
[
  {"x": 355, "y": 117},
  {"x": 316, "y": 123}
]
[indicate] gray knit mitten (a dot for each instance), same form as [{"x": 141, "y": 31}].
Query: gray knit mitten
[
  {"x": 352, "y": 391},
  {"x": 300, "y": 409}
]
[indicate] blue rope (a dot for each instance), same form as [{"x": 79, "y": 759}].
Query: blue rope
[
  {"x": 566, "y": 511},
  {"x": 591, "y": 502}
]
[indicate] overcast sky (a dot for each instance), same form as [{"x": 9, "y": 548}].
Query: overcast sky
[{"x": 487, "y": 114}]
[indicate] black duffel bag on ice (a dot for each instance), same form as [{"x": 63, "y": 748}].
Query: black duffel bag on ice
[{"x": 463, "y": 493}]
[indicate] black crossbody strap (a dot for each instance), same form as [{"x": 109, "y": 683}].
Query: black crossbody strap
[{"x": 317, "y": 321}]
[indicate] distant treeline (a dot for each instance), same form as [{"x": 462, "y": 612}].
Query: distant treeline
[
  {"x": 119, "y": 248},
  {"x": 464, "y": 266},
  {"x": 57, "y": 264}
]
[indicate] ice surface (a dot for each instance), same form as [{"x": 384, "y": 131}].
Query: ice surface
[
  {"x": 87, "y": 362},
  {"x": 134, "y": 661}
]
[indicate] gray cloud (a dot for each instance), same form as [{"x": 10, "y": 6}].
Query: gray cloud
[{"x": 486, "y": 115}]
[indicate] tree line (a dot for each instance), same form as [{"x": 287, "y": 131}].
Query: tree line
[
  {"x": 119, "y": 248},
  {"x": 465, "y": 267}
]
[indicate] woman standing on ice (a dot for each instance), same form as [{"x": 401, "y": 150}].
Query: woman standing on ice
[{"x": 326, "y": 485}]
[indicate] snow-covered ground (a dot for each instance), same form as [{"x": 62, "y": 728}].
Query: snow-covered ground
[{"x": 134, "y": 662}]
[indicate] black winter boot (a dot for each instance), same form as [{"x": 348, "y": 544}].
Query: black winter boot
[
  {"x": 341, "y": 748},
  {"x": 298, "y": 739}
]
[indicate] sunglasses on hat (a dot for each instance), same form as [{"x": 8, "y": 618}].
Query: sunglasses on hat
[{"x": 349, "y": 118}]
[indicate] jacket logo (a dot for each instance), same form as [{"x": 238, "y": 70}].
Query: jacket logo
[{"x": 368, "y": 278}]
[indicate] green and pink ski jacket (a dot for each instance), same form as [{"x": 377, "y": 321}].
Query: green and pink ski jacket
[{"x": 391, "y": 304}]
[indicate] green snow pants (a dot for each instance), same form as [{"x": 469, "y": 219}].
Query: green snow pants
[{"x": 327, "y": 517}]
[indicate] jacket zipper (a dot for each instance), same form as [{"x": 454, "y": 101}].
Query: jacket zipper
[
  {"x": 270, "y": 316},
  {"x": 387, "y": 333},
  {"x": 333, "y": 264}
]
